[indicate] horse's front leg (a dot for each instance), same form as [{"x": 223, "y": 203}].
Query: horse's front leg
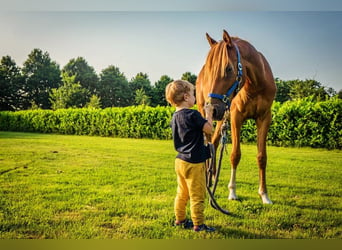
[
  {"x": 235, "y": 156},
  {"x": 263, "y": 125}
]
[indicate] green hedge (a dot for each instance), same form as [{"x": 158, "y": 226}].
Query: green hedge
[
  {"x": 130, "y": 122},
  {"x": 299, "y": 123},
  {"x": 307, "y": 123}
]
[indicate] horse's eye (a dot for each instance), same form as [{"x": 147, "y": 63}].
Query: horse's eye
[{"x": 229, "y": 69}]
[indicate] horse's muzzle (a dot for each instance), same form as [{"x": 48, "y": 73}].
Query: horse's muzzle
[{"x": 219, "y": 108}]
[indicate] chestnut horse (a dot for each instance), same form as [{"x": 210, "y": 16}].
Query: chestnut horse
[{"x": 238, "y": 82}]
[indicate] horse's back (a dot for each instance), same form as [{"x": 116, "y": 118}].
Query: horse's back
[{"x": 260, "y": 71}]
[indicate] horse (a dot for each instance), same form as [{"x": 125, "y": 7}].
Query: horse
[{"x": 238, "y": 83}]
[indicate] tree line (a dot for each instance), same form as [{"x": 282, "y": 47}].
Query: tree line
[{"x": 40, "y": 83}]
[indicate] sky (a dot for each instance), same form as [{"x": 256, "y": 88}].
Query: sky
[{"x": 299, "y": 43}]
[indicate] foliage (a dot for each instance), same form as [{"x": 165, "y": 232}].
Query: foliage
[
  {"x": 94, "y": 102},
  {"x": 41, "y": 75},
  {"x": 301, "y": 89},
  {"x": 70, "y": 95},
  {"x": 297, "y": 123},
  {"x": 85, "y": 74},
  {"x": 131, "y": 122},
  {"x": 298, "y": 89},
  {"x": 340, "y": 94},
  {"x": 283, "y": 91},
  {"x": 141, "y": 98},
  {"x": 10, "y": 84},
  {"x": 140, "y": 81},
  {"x": 31, "y": 86},
  {"x": 80, "y": 187},
  {"x": 188, "y": 76},
  {"x": 158, "y": 97},
  {"x": 307, "y": 123},
  {"x": 113, "y": 88}
]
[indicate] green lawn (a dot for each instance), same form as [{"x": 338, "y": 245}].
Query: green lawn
[{"x": 79, "y": 187}]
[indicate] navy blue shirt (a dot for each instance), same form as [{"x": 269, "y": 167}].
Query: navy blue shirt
[{"x": 187, "y": 131}]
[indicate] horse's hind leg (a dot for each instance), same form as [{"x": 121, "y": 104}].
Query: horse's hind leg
[
  {"x": 235, "y": 156},
  {"x": 262, "y": 127}
]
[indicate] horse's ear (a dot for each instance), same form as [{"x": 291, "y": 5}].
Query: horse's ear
[
  {"x": 227, "y": 38},
  {"x": 210, "y": 40}
]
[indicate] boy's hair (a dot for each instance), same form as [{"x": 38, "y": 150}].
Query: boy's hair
[{"x": 174, "y": 91}]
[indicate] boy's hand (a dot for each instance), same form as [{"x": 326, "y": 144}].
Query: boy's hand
[
  {"x": 209, "y": 109},
  {"x": 208, "y": 126}
]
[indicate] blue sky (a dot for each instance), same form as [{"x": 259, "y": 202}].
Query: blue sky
[{"x": 297, "y": 43}]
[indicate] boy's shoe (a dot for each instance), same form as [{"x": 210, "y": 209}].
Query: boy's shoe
[
  {"x": 203, "y": 227},
  {"x": 186, "y": 224}
]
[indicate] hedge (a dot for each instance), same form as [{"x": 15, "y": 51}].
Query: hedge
[
  {"x": 130, "y": 122},
  {"x": 296, "y": 123},
  {"x": 307, "y": 123}
]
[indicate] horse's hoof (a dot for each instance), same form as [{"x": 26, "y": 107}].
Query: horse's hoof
[
  {"x": 233, "y": 198},
  {"x": 265, "y": 199}
]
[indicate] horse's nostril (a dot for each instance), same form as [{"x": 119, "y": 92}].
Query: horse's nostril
[{"x": 214, "y": 112}]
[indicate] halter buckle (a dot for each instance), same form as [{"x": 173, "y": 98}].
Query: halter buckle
[
  {"x": 239, "y": 79},
  {"x": 239, "y": 66},
  {"x": 225, "y": 99}
]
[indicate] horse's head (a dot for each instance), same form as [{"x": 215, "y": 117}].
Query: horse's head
[{"x": 220, "y": 73}]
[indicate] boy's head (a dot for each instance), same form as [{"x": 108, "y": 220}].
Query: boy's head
[{"x": 175, "y": 91}]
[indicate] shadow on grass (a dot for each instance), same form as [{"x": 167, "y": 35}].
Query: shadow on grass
[{"x": 229, "y": 233}]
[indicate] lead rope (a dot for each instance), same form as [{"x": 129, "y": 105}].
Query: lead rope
[{"x": 210, "y": 166}]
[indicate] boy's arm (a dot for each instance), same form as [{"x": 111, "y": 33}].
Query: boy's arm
[{"x": 208, "y": 126}]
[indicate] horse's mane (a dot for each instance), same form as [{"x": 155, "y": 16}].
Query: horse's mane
[{"x": 216, "y": 63}]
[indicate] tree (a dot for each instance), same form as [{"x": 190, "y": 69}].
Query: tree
[
  {"x": 10, "y": 84},
  {"x": 113, "y": 88},
  {"x": 70, "y": 95},
  {"x": 158, "y": 96},
  {"x": 283, "y": 91},
  {"x": 300, "y": 89},
  {"x": 84, "y": 73},
  {"x": 94, "y": 102},
  {"x": 331, "y": 92},
  {"x": 141, "y": 98},
  {"x": 41, "y": 75},
  {"x": 141, "y": 81},
  {"x": 339, "y": 94},
  {"x": 189, "y": 77}
]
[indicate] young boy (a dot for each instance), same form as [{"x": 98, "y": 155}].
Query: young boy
[{"x": 187, "y": 130}]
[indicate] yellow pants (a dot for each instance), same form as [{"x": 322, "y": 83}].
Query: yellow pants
[{"x": 191, "y": 186}]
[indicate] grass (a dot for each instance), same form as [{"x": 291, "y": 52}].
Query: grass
[{"x": 79, "y": 187}]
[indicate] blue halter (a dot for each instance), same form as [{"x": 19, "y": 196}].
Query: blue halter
[{"x": 225, "y": 98}]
